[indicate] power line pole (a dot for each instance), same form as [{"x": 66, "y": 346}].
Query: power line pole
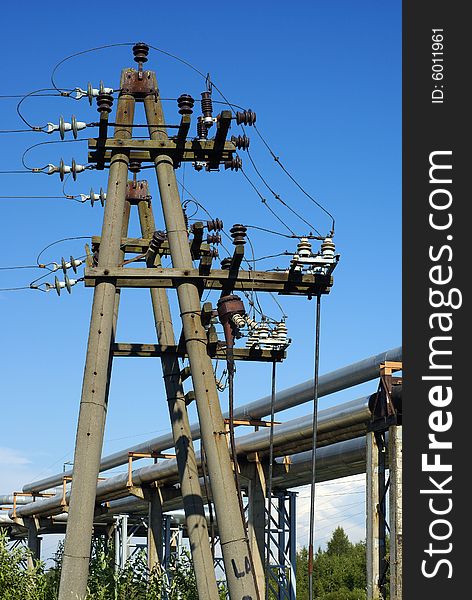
[
  {"x": 185, "y": 454},
  {"x": 122, "y": 153},
  {"x": 235, "y": 547},
  {"x": 93, "y": 404}
]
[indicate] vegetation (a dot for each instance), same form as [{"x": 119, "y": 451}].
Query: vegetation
[
  {"x": 134, "y": 582},
  {"x": 339, "y": 571},
  {"x": 339, "y": 574}
]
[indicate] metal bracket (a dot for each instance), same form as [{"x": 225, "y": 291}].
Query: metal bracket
[
  {"x": 139, "y": 83},
  {"x": 131, "y": 455},
  {"x": 137, "y": 191},
  {"x": 250, "y": 422},
  {"x": 385, "y": 404},
  {"x": 33, "y": 495}
]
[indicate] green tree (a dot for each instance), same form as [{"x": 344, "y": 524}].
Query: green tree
[
  {"x": 339, "y": 544},
  {"x": 339, "y": 572}
]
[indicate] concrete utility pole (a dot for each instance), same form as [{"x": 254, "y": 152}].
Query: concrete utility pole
[
  {"x": 396, "y": 531},
  {"x": 122, "y": 154},
  {"x": 241, "y": 579},
  {"x": 93, "y": 404},
  {"x": 185, "y": 454}
]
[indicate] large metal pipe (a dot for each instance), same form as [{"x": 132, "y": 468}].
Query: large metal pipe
[
  {"x": 10, "y": 499},
  {"x": 349, "y": 415},
  {"x": 345, "y": 377},
  {"x": 337, "y": 460}
]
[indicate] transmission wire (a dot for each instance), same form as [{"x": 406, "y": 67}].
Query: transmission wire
[
  {"x": 270, "y": 477},
  {"x": 313, "y": 450}
]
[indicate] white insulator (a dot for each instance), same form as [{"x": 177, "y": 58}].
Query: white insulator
[
  {"x": 263, "y": 331},
  {"x": 60, "y": 285},
  {"x": 294, "y": 262},
  {"x": 93, "y": 197},
  {"x": 76, "y": 262},
  {"x": 251, "y": 323},
  {"x": 238, "y": 320},
  {"x": 253, "y": 337},
  {"x": 252, "y": 340},
  {"x": 328, "y": 248},
  {"x": 91, "y": 92},
  {"x": 62, "y": 126},
  {"x": 63, "y": 169},
  {"x": 73, "y": 263},
  {"x": 280, "y": 332},
  {"x": 304, "y": 248}
]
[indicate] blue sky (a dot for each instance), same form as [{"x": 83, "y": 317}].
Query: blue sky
[{"x": 325, "y": 81}]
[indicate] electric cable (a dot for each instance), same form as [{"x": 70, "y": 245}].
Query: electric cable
[
  {"x": 61, "y": 62},
  {"x": 20, "y": 267},
  {"x": 16, "y": 130},
  {"x": 264, "y": 201},
  {"x": 352, "y": 479},
  {"x": 67, "y": 239},
  {"x": 231, "y": 105},
  {"x": 29, "y": 95},
  {"x": 209, "y": 496},
  {"x": 310, "y": 237},
  {"x": 43, "y": 144},
  {"x": 313, "y": 450},
  {"x": 211, "y": 85},
  {"x": 49, "y": 271},
  {"x": 270, "y": 477},
  {"x": 23, "y": 95},
  {"x": 284, "y": 253},
  {"x": 277, "y": 196},
  {"x": 221, "y": 244},
  {"x": 271, "y": 294},
  {"x": 16, "y": 172},
  {"x": 255, "y": 296},
  {"x": 74, "y": 197},
  {"x": 231, "y": 370},
  {"x": 277, "y": 160}
]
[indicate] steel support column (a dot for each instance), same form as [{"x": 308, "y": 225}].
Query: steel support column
[
  {"x": 282, "y": 551},
  {"x": 34, "y": 541}
]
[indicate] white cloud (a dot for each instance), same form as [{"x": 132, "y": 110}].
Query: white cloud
[
  {"x": 10, "y": 456},
  {"x": 16, "y": 468},
  {"x": 340, "y": 502}
]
